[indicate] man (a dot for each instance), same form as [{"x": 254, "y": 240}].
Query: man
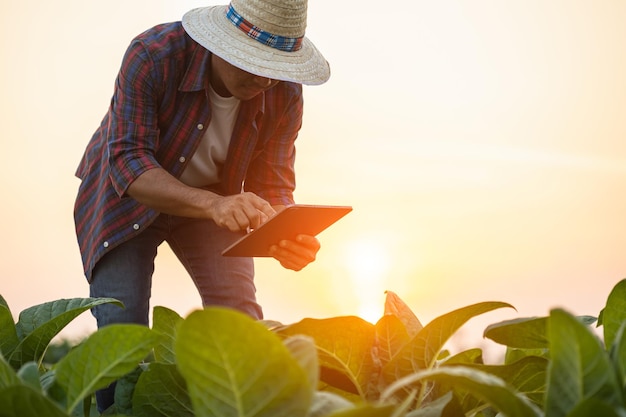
[{"x": 197, "y": 146}]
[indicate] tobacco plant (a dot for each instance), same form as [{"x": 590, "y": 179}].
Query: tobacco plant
[{"x": 218, "y": 362}]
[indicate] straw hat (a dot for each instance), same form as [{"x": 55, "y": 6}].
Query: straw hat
[{"x": 263, "y": 37}]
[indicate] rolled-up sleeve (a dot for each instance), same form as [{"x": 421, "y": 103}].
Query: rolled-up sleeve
[{"x": 133, "y": 133}]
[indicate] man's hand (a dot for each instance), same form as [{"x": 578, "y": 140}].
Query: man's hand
[
  {"x": 296, "y": 254},
  {"x": 240, "y": 211}
]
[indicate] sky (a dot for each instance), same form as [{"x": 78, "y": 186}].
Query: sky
[{"x": 480, "y": 143}]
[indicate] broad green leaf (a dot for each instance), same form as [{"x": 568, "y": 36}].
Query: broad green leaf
[
  {"x": 513, "y": 355},
  {"x": 56, "y": 311},
  {"x": 434, "y": 408},
  {"x": 595, "y": 407},
  {"x": 395, "y": 306},
  {"x": 4, "y": 303},
  {"x": 423, "y": 350},
  {"x": 161, "y": 391},
  {"x": 391, "y": 336},
  {"x": 367, "y": 410},
  {"x": 470, "y": 356},
  {"x": 525, "y": 333},
  {"x": 527, "y": 376},
  {"x": 487, "y": 387},
  {"x": 618, "y": 354},
  {"x": 37, "y": 325},
  {"x": 8, "y": 333},
  {"x": 325, "y": 403},
  {"x": 522, "y": 333},
  {"x": 23, "y": 401},
  {"x": 52, "y": 388},
  {"x": 8, "y": 377},
  {"x": 105, "y": 356},
  {"x": 580, "y": 368},
  {"x": 124, "y": 390},
  {"x": 235, "y": 367},
  {"x": 165, "y": 321},
  {"x": 29, "y": 374},
  {"x": 303, "y": 350},
  {"x": 345, "y": 347},
  {"x": 614, "y": 313}
]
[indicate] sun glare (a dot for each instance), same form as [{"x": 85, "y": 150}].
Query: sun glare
[{"x": 368, "y": 262}]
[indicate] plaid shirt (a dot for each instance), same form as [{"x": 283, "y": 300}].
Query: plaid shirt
[{"x": 157, "y": 117}]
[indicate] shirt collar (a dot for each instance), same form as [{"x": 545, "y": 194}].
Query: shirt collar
[{"x": 197, "y": 76}]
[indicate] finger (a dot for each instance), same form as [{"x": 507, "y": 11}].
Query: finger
[
  {"x": 287, "y": 259},
  {"x": 240, "y": 220},
  {"x": 263, "y": 206},
  {"x": 292, "y": 266},
  {"x": 310, "y": 242},
  {"x": 294, "y": 255},
  {"x": 307, "y": 249},
  {"x": 254, "y": 217}
]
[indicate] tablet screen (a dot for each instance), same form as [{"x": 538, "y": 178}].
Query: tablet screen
[{"x": 286, "y": 225}]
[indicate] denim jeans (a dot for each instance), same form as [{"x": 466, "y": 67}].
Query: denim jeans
[{"x": 125, "y": 273}]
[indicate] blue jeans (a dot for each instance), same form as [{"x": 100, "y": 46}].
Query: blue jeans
[{"x": 125, "y": 273}]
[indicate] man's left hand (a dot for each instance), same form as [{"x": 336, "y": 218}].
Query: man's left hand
[{"x": 296, "y": 254}]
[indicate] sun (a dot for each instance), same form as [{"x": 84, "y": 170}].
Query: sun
[{"x": 367, "y": 260}]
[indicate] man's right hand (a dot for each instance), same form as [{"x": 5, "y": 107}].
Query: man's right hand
[
  {"x": 158, "y": 189},
  {"x": 240, "y": 212}
]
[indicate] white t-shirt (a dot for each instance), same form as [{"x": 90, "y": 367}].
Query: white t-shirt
[{"x": 205, "y": 166}]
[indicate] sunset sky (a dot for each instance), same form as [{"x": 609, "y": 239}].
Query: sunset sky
[{"x": 480, "y": 142}]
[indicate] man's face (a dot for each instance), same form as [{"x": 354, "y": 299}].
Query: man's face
[{"x": 228, "y": 80}]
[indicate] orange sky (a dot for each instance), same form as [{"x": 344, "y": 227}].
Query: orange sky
[{"x": 481, "y": 144}]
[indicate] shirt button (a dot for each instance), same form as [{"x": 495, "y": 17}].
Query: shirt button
[
  {"x": 136, "y": 226},
  {"x": 200, "y": 126},
  {"x": 181, "y": 159},
  {"x": 105, "y": 244}
]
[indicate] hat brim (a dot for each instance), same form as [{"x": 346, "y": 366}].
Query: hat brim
[{"x": 210, "y": 27}]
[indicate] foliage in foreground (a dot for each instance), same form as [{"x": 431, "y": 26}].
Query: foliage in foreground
[{"x": 218, "y": 362}]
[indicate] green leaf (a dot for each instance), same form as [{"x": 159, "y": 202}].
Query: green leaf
[
  {"x": 395, "y": 306},
  {"x": 525, "y": 333},
  {"x": 367, "y": 410},
  {"x": 23, "y": 401},
  {"x": 522, "y": 333},
  {"x": 4, "y": 303},
  {"x": 8, "y": 377},
  {"x": 595, "y": 407},
  {"x": 325, "y": 403},
  {"x": 618, "y": 354},
  {"x": 470, "y": 356},
  {"x": 303, "y": 350},
  {"x": 235, "y": 367},
  {"x": 165, "y": 321},
  {"x": 423, "y": 350},
  {"x": 105, "y": 356},
  {"x": 124, "y": 390},
  {"x": 614, "y": 313},
  {"x": 580, "y": 367},
  {"x": 391, "y": 337},
  {"x": 8, "y": 333},
  {"x": 29, "y": 374},
  {"x": 37, "y": 326},
  {"x": 487, "y": 387},
  {"x": 434, "y": 408},
  {"x": 344, "y": 345},
  {"x": 56, "y": 312},
  {"x": 526, "y": 376},
  {"x": 513, "y": 355},
  {"x": 161, "y": 391}
]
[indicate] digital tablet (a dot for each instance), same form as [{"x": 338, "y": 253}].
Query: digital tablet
[{"x": 286, "y": 225}]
